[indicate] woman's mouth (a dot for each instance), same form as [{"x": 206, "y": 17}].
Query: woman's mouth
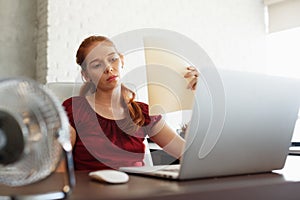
[{"x": 112, "y": 78}]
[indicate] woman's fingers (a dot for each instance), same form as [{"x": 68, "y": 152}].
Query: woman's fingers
[
  {"x": 192, "y": 73},
  {"x": 192, "y": 84}
]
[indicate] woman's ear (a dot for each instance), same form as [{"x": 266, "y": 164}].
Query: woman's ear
[{"x": 85, "y": 76}]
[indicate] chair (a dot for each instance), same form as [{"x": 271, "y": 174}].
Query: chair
[{"x": 64, "y": 90}]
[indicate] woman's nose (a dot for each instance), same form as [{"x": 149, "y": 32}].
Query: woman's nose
[{"x": 108, "y": 69}]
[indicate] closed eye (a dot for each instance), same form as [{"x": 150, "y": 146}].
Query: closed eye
[
  {"x": 113, "y": 59},
  {"x": 97, "y": 65}
]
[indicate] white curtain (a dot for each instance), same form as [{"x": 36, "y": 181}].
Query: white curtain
[{"x": 283, "y": 14}]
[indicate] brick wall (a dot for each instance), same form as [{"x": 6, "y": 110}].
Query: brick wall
[
  {"x": 39, "y": 38},
  {"x": 232, "y": 32}
]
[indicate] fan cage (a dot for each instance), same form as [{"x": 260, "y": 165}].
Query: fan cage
[{"x": 45, "y": 129}]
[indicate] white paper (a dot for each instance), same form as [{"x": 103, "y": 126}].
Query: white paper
[{"x": 167, "y": 87}]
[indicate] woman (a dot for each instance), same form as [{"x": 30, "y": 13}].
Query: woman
[{"x": 107, "y": 126}]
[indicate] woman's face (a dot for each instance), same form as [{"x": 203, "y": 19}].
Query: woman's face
[{"x": 103, "y": 64}]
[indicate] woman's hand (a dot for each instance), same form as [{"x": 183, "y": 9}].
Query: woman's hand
[{"x": 192, "y": 73}]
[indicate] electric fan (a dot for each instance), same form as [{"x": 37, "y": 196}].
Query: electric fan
[{"x": 34, "y": 135}]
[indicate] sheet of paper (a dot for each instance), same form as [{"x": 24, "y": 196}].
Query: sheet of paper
[{"x": 167, "y": 87}]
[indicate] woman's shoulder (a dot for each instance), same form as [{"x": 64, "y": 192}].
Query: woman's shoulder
[
  {"x": 153, "y": 119},
  {"x": 76, "y": 100},
  {"x": 143, "y": 106}
]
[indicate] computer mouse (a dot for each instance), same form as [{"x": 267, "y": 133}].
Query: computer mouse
[{"x": 109, "y": 176}]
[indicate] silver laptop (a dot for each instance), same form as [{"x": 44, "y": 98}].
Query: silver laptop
[
  {"x": 295, "y": 147},
  {"x": 242, "y": 123}
]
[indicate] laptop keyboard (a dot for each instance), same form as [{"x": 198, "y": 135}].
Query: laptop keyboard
[
  {"x": 171, "y": 168},
  {"x": 294, "y": 150},
  {"x": 168, "y": 171}
]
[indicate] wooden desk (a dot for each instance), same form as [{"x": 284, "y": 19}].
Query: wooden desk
[{"x": 282, "y": 184}]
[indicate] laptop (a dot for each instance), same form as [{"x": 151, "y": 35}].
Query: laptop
[
  {"x": 295, "y": 147},
  {"x": 242, "y": 123}
]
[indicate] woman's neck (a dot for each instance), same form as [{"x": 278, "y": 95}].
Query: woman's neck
[
  {"x": 109, "y": 98},
  {"x": 108, "y": 103}
]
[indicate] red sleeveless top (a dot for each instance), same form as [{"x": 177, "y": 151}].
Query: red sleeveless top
[{"x": 100, "y": 142}]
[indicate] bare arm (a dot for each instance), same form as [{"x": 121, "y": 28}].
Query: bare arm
[
  {"x": 72, "y": 135},
  {"x": 192, "y": 75},
  {"x": 172, "y": 143}
]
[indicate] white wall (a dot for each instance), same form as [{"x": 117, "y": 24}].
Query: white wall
[
  {"x": 283, "y": 53},
  {"x": 283, "y": 49},
  {"x": 17, "y": 38},
  {"x": 232, "y": 32}
]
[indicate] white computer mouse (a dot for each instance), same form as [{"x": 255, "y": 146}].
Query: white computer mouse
[{"x": 109, "y": 176}]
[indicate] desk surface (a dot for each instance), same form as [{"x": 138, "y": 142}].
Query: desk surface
[{"x": 280, "y": 184}]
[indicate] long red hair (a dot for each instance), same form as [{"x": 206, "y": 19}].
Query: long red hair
[{"x": 127, "y": 94}]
